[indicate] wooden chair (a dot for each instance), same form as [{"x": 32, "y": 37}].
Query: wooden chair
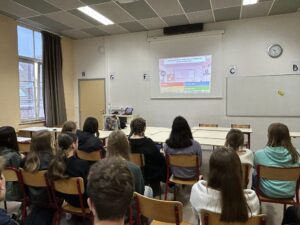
[
  {"x": 12, "y": 174},
  {"x": 208, "y": 125},
  {"x": 160, "y": 211},
  {"x": 191, "y": 161},
  {"x": 279, "y": 174},
  {"x": 37, "y": 180},
  {"x": 246, "y": 171},
  {"x": 138, "y": 159},
  {"x": 70, "y": 186},
  {"x": 24, "y": 147},
  {"x": 91, "y": 156},
  {"x": 210, "y": 218},
  {"x": 243, "y": 126}
]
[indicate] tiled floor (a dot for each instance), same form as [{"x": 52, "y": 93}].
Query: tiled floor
[{"x": 273, "y": 211}]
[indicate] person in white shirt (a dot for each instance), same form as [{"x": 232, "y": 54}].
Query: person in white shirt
[
  {"x": 223, "y": 192},
  {"x": 235, "y": 140}
]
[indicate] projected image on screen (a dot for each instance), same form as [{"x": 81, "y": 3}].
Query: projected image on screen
[{"x": 185, "y": 74}]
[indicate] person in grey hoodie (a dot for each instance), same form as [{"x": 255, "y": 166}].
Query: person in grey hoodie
[{"x": 279, "y": 152}]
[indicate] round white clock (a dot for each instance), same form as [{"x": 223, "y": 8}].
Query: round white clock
[{"x": 275, "y": 50}]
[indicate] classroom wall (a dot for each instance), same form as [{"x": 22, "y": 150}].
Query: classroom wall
[
  {"x": 9, "y": 75},
  {"x": 244, "y": 44}
]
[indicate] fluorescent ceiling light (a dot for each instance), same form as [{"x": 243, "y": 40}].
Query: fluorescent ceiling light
[
  {"x": 95, "y": 15},
  {"x": 249, "y": 2}
]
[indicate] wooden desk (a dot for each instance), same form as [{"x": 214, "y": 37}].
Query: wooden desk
[
  {"x": 24, "y": 144},
  {"x": 210, "y": 134},
  {"x": 31, "y": 130},
  {"x": 294, "y": 134}
]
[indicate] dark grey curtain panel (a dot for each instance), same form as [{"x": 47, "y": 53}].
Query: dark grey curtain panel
[{"x": 53, "y": 88}]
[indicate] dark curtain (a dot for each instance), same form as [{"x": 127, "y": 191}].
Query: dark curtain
[{"x": 54, "y": 98}]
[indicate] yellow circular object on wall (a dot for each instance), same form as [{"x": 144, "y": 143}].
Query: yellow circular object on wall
[{"x": 280, "y": 92}]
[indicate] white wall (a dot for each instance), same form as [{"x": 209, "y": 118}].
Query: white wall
[{"x": 244, "y": 44}]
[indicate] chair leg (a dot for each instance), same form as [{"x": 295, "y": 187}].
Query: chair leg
[
  {"x": 284, "y": 209},
  {"x": 166, "y": 191},
  {"x": 175, "y": 192},
  {"x": 5, "y": 205}
]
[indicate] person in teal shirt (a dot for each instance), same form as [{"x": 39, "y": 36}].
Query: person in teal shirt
[{"x": 279, "y": 152}]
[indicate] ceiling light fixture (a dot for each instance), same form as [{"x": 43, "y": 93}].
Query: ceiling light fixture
[
  {"x": 249, "y": 2},
  {"x": 95, "y": 15}
]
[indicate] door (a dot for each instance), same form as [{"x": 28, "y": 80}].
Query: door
[{"x": 91, "y": 100}]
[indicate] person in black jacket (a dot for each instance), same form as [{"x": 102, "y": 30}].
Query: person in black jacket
[
  {"x": 155, "y": 165},
  {"x": 88, "y": 138}
]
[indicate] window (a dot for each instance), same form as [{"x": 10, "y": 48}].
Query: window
[{"x": 30, "y": 75}]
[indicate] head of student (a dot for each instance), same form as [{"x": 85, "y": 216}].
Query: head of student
[
  {"x": 110, "y": 189},
  {"x": 8, "y": 138},
  {"x": 225, "y": 175},
  {"x": 67, "y": 144},
  {"x": 118, "y": 145},
  {"x": 279, "y": 135},
  {"x": 234, "y": 139},
  {"x": 41, "y": 143},
  {"x": 138, "y": 126},
  {"x": 91, "y": 126},
  {"x": 181, "y": 134},
  {"x": 69, "y": 126}
]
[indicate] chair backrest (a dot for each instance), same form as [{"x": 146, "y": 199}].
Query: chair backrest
[
  {"x": 208, "y": 125},
  {"x": 278, "y": 173},
  {"x": 11, "y": 174},
  {"x": 164, "y": 211},
  {"x": 183, "y": 160},
  {"x": 210, "y": 218},
  {"x": 246, "y": 170},
  {"x": 246, "y": 126},
  {"x": 34, "y": 179},
  {"x": 72, "y": 186},
  {"x": 138, "y": 159},
  {"x": 89, "y": 156}
]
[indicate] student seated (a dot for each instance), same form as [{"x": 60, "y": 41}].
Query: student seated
[
  {"x": 223, "y": 192},
  {"x": 9, "y": 149},
  {"x": 4, "y": 217},
  {"x": 181, "y": 142},
  {"x": 110, "y": 188},
  {"x": 88, "y": 139},
  {"x": 155, "y": 164},
  {"x": 69, "y": 126},
  {"x": 118, "y": 146},
  {"x": 112, "y": 123},
  {"x": 279, "y": 152},
  {"x": 235, "y": 141}
]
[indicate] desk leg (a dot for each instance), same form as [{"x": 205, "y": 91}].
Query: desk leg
[{"x": 248, "y": 144}]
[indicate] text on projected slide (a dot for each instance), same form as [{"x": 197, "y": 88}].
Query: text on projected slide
[{"x": 185, "y": 74}]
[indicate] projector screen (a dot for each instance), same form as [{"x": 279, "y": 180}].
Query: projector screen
[
  {"x": 185, "y": 74},
  {"x": 186, "y": 66}
]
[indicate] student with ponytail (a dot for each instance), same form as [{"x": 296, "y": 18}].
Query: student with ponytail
[{"x": 66, "y": 164}]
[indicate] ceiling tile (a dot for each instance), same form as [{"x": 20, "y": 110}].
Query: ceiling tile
[
  {"x": 40, "y": 6},
  {"x": 256, "y": 10},
  {"x": 76, "y": 34},
  {"x": 92, "y": 2},
  {"x": 217, "y": 4},
  {"x": 227, "y": 14},
  {"x": 153, "y": 23},
  {"x": 285, "y": 6},
  {"x": 195, "y": 5},
  {"x": 113, "y": 12},
  {"x": 176, "y": 20},
  {"x": 33, "y": 24},
  {"x": 56, "y": 26},
  {"x": 113, "y": 29},
  {"x": 166, "y": 7},
  {"x": 133, "y": 26},
  {"x": 13, "y": 8},
  {"x": 94, "y": 31},
  {"x": 84, "y": 17},
  {"x": 69, "y": 20},
  {"x": 139, "y": 9},
  {"x": 204, "y": 16},
  {"x": 66, "y": 4}
]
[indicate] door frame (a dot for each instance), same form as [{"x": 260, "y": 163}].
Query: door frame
[{"x": 91, "y": 79}]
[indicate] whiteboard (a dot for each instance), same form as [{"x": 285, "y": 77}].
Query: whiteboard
[{"x": 271, "y": 95}]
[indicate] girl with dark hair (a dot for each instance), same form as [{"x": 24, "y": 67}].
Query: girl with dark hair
[
  {"x": 88, "y": 138},
  {"x": 181, "y": 142},
  {"x": 155, "y": 164},
  {"x": 65, "y": 164},
  {"x": 223, "y": 192},
  {"x": 279, "y": 152},
  {"x": 235, "y": 141},
  {"x": 9, "y": 150}
]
